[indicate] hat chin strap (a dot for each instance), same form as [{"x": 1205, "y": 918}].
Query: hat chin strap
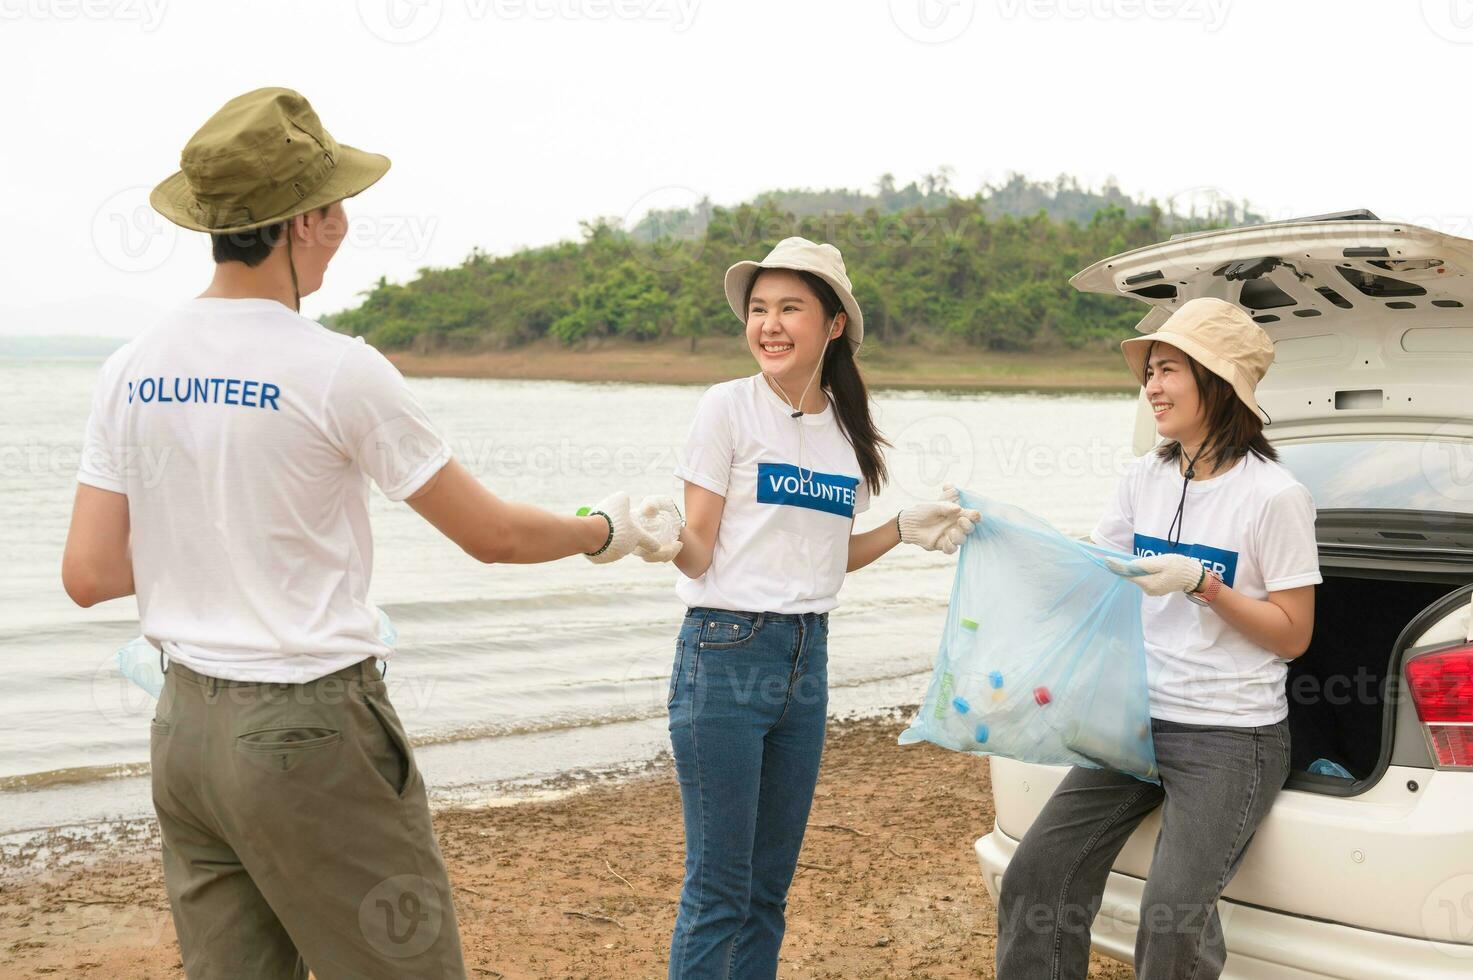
[{"x": 292, "y": 267}]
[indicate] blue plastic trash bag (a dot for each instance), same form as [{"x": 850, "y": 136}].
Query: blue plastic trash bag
[
  {"x": 138, "y": 659},
  {"x": 1042, "y": 658},
  {"x": 1326, "y": 767}
]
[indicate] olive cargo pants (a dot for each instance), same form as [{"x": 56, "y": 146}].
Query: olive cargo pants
[{"x": 296, "y": 832}]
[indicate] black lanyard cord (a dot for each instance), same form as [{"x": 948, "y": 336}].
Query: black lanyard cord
[{"x": 1178, "y": 522}]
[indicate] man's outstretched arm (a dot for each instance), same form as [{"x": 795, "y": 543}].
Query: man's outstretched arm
[{"x": 490, "y": 529}]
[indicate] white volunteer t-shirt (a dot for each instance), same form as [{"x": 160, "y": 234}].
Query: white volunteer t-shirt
[
  {"x": 1254, "y": 526},
  {"x": 783, "y": 543},
  {"x": 244, "y": 436}
]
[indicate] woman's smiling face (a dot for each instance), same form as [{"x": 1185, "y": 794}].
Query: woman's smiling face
[
  {"x": 786, "y": 326},
  {"x": 1171, "y": 388}
]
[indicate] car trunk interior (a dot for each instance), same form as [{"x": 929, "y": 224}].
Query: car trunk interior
[{"x": 1337, "y": 688}]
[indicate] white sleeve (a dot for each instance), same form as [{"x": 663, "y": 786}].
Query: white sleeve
[
  {"x": 1116, "y": 528},
  {"x": 101, "y": 464},
  {"x": 1288, "y": 554},
  {"x": 377, "y": 422},
  {"x": 706, "y": 457},
  {"x": 861, "y": 496}
]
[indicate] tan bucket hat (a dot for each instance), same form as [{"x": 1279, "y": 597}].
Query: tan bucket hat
[
  {"x": 1217, "y": 335},
  {"x": 802, "y": 255},
  {"x": 263, "y": 158}
]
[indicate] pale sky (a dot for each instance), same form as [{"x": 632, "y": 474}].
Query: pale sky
[{"x": 508, "y": 121}]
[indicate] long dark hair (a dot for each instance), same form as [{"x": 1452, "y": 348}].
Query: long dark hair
[
  {"x": 1233, "y": 430},
  {"x": 841, "y": 379}
]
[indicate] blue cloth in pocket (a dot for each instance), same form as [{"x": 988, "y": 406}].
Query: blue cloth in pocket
[
  {"x": 1042, "y": 657},
  {"x": 138, "y": 659}
]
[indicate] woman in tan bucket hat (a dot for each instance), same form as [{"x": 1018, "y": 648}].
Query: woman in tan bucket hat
[
  {"x": 1225, "y": 538},
  {"x": 776, "y": 467},
  {"x": 296, "y": 831}
]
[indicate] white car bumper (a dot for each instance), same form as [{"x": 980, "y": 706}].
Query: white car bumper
[{"x": 1262, "y": 945}]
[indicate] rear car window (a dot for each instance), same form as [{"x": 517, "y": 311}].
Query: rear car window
[{"x": 1385, "y": 474}]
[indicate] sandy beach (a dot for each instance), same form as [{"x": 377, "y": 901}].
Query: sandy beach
[
  {"x": 584, "y": 884},
  {"x": 722, "y": 358}
]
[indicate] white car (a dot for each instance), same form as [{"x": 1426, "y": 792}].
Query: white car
[{"x": 1371, "y": 396}]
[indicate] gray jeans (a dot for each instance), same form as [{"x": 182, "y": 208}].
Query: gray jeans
[{"x": 1217, "y": 785}]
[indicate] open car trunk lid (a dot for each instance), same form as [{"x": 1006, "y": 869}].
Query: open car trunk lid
[{"x": 1372, "y": 321}]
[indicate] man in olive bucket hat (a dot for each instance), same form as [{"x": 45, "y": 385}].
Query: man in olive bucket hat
[{"x": 224, "y": 480}]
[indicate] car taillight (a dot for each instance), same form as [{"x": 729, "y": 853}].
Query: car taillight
[{"x": 1441, "y": 684}]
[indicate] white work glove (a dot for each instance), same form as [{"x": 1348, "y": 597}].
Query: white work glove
[
  {"x": 628, "y": 532},
  {"x": 661, "y": 520},
  {"x": 1160, "y": 574},
  {"x": 940, "y": 525}
]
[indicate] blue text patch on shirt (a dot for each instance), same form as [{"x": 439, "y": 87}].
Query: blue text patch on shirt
[
  {"x": 782, "y": 483},
  {"x": 1224, "y": 563},
  {"x": 205, "y": 391}
]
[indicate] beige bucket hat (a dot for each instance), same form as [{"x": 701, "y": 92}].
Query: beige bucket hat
[
  {"x": 1217, "y": 335},
  {"x": 799, "y": 254}
]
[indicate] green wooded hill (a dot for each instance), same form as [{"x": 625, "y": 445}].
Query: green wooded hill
[{"x": 928, "y": 265}]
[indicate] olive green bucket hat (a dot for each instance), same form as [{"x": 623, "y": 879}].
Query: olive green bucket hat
[{"x": 263, "y": 158}]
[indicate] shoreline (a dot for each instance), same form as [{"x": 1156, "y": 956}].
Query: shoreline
[
  {"x": 583, "y": 882},
  {"x": 722, "y": 358}
]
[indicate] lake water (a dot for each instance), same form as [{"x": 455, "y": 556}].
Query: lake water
[{"x": 506, "y": 675}]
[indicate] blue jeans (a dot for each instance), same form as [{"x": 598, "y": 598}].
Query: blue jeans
[
  {"x": 1217, "y": 785},
  {"x": 748, "y": 702}
]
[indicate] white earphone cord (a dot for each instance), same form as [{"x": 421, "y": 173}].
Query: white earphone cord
[{"x": 798, "y": 413}]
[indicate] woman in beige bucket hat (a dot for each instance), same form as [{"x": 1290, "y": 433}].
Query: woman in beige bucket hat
[
  {"x": 776, "y": 467},
  {"x": 1224, "y": 549}
]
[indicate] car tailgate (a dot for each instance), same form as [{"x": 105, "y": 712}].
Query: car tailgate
[{"x": 1372, "y": 321}]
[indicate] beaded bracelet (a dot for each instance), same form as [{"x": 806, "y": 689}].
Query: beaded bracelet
[{"x": 586, "y": 512}]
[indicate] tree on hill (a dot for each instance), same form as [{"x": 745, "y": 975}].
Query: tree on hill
[{"x": 928, "y": 265}]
